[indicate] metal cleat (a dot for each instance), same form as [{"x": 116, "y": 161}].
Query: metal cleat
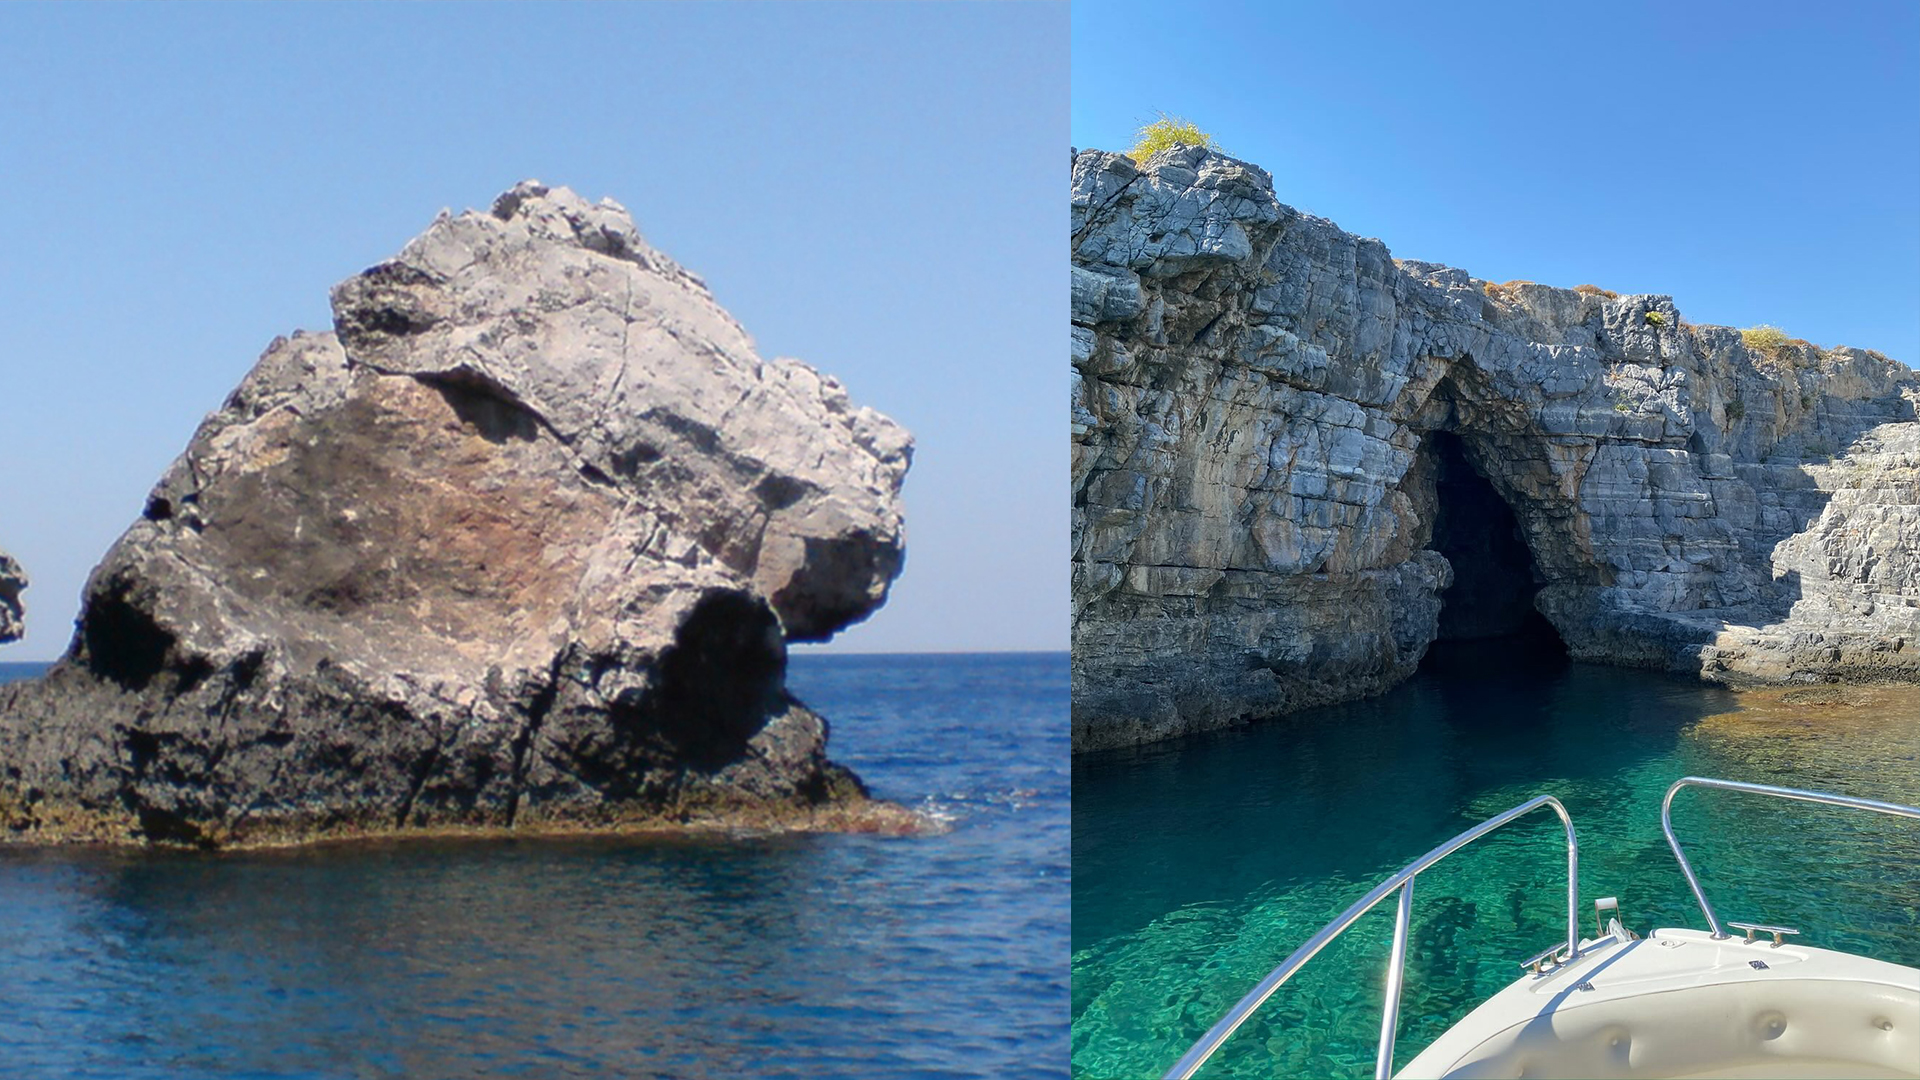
[
  {"x": 1756, "y": 928},
  {"x": 1550, "y": 958}
]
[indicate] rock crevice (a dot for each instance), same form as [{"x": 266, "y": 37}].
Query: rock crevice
[{"x": 1257, "y": 397}]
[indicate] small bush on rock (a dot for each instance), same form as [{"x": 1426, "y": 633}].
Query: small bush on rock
[
  {"x": 1764, "y": 337},
  {"x": 1504, "y": 290},
  {"x": 1595, "y": 290},
  {"x": 1654, "y": 318},
  {"x": 1736, "y": 409},
  {"x": 1165, "y": 132}
]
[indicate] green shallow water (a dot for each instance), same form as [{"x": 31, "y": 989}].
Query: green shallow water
[{"x": 1200, "y": 863}]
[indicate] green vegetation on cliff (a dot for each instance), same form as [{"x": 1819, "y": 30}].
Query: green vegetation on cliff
[{"x": 1166, "y": 132}]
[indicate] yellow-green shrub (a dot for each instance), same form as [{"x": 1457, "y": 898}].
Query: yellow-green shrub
[
  {"x": 1764, "y": 337},
  {"x": 1168, "y": 131}
]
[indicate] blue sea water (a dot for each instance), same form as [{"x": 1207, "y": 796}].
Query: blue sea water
[
  {"x": 853, "y": 956},
  {"x": 1200, "y": 863}
]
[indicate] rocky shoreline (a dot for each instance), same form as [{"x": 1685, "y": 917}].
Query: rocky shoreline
[
  {"x": 1272, "y": 418},
  {"x": 851, "y": 811},
  {"x": 517, "y": 547}
]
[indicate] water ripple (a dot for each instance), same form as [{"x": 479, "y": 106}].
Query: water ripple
[
  {"x": 858, "y": 956},
  {"x": 1200, "y": 864}
]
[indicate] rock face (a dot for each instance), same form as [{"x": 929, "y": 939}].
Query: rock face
[
  {"x": 1274, "y": 422},
  {"x": 12, "y": 614},
  {"x": 519, "y": 544}
]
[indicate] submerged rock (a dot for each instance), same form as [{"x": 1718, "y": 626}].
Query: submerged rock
[
  {"x": 13, "y": 616},
  {"x": 1270, "y": 415},
  {"x": 519, "y": 545}
]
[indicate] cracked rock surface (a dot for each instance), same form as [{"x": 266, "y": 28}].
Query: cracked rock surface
[
  {"x": 1254, "y": 397},
  {"x": 12, "y": 614},
  {"x": 519, "y": 544}
]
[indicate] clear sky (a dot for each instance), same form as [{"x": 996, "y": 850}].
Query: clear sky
[
  {"x": 1760, "y": 162},
  {"x": 876, "y": 189}
]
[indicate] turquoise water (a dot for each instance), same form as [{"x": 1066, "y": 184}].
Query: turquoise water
[
  {"x": 803, "y": 956},
  {"x": 1200, "y": 864}
]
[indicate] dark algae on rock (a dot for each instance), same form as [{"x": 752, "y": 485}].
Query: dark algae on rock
[
  {"x": 1288, "y": 446},
  {"x": 519, "y": 545}
]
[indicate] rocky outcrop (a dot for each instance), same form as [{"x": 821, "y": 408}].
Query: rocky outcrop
[
  {"x": 12, "y": 615},
  {"x": 519, "y": 545},
  {"x": 1270, "y": 415}
]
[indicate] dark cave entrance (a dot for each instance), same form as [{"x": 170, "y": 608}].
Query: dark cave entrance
[{"x": 1495, "y": 576}]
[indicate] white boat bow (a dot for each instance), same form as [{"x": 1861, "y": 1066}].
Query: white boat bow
[{"x": 1678, "y": 1003}]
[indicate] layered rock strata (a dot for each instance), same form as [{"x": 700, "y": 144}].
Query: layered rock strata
[
  {"x": 1260, "y": 403},
  {"x": 13, "y": 616},
  {"x": 519, "y": 544}
]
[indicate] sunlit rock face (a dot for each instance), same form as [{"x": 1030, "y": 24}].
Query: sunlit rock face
[
  {"x": 1260, "y": 405},
  {"x": 13, "y": 617},
  {"x": 519, "y": 544}
]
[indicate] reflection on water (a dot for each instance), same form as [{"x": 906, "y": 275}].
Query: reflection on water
[
  {"x": 1200, "y": 864},
  {"x": 795, "y": 956}
]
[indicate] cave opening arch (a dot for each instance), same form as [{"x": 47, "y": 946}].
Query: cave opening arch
[
  {"x": 1495, "y": 573},
  {"x": 1497, "y": 503}
]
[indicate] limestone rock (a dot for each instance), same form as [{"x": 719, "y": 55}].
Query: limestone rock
[
  {"x": 1261, "y": 405},
  {"x": 519, "y": 544},
  {"x": 12, "y": 614}
]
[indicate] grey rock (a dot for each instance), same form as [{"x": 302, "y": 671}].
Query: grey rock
[
  {"x": 519, "y": 545},
  {"x": 13, "y": 615},
  {"x": 1259, "y": 401}
]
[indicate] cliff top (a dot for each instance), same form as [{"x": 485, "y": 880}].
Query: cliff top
[{"x": 1238, "y": 194}]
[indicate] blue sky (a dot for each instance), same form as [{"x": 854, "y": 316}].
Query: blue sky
[
  {"x": 1760, "y": 162},
  {"x": 876, "y": 189}
]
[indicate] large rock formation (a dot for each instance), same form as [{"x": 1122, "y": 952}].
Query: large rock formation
[
  {"x": 1272, "y": 419},
  {"x": 519, "y": 544},
  {"x": 12, "y": 615}
]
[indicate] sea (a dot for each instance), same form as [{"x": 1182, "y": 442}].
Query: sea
[
  {"x": 795, "y": 956},
  {"x": 1199, "y": 864}
]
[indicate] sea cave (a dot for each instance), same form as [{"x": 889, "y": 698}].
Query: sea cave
[{"x": 1495, "y": 575}]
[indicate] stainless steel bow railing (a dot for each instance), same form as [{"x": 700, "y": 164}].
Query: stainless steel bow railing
[
  {"x": 1666, "y": 825},
  {"x": 1396, "y": 965}
]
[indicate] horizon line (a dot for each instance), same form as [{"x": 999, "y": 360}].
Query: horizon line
[{"x": 811, "y": 649}]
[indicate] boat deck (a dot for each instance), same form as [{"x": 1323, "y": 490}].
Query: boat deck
[{"x": 1680, "y": 1004}]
